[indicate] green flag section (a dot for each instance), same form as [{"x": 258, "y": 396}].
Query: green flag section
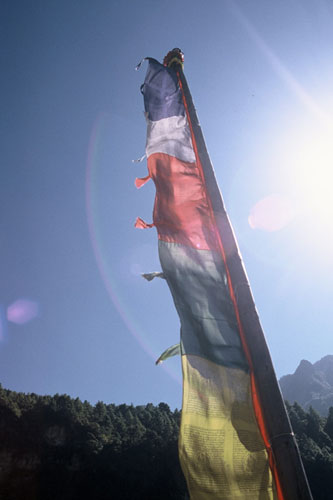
[{"x": 174, "y": 350}]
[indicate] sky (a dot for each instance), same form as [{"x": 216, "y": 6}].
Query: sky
[{"x": 76, "y": 317}]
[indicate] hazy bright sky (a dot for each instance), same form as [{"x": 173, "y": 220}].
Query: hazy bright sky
[{"x": 261, "y": 76}]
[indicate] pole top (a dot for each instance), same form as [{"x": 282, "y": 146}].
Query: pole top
[{"x": 175, "y": 56}]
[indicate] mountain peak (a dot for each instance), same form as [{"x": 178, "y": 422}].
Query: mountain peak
[
  {"x": 304, "y": 368},
  {"x": 310, "y": 385}
]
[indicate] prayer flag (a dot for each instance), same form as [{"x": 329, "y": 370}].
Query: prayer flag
[{"x": 225, "y": 449}]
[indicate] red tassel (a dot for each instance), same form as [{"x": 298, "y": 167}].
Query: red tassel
[
  {"x": 141, "y": 224},
  {"x": 141, "y": 181}
]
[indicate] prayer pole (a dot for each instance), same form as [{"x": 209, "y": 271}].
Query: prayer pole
[{"x": 280, "y": 440}]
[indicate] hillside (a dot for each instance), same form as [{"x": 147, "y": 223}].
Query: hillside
[{"x": 59, "y": 448}]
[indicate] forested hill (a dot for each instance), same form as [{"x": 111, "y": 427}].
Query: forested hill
[{"x": 59, "y": 448}]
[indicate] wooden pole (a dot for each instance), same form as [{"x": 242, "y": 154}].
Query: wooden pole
[{"x": 289, "y": 465}]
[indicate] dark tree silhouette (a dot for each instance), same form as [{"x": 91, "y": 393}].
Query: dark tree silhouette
[{"x": 59, "y": 448}]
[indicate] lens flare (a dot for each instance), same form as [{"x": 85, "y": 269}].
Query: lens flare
[
  {"x": 271, "y": 213},
  {"x": 277, "y": 64},
  {"x": 3, "y": 324},
  {"x": 100, "y": 135},
  {"x": 303, "y": 158},
  {"x": 22, "y": 311}
]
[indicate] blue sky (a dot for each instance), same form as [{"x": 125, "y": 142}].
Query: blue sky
[{"x": 261, "y": 77}]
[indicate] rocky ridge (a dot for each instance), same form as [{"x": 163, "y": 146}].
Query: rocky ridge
[{"x": 310, "y": 385}]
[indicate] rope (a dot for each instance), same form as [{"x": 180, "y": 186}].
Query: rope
[{"x": 285, "y": 434}]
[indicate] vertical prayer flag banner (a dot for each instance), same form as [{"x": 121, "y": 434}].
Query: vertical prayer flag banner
[{"x": 223, "y": 445}]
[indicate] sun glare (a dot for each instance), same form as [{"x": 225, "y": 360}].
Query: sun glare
[
  {"x": 306, "y": 162},
  {"x": 302, "y": 178},
  {"x": 304, "y": 166},
  {"x": 311, "y": 163}
]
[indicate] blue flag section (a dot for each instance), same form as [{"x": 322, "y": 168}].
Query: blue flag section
[{"x": 161, "y": 92}]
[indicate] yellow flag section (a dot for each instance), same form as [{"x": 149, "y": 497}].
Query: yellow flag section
[{"x": 221, "y": 450}]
